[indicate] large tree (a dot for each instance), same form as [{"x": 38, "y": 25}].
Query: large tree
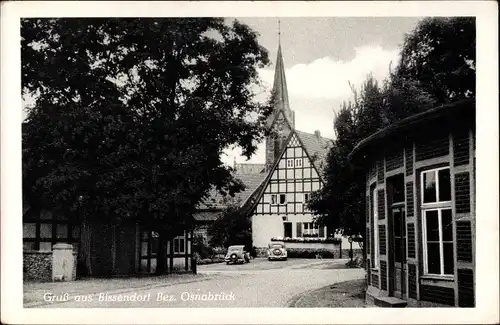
[
  {"x": 232, "y": 227},
  {"x": 436, "y": 66},
  {"x": 132, "y": 115},
  {"x": 440, "y": 53},
  {"x": 339, "y": 204}
]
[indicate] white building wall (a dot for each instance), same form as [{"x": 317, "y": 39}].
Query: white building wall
[{"x": 294, "y": 177}]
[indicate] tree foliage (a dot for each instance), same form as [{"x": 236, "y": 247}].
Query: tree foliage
[
  {"x": 132, "y": 115},
  {"x": 436, "y": 66},
  {"x": 441, "y": 54},
  {"x": 232, "y": 227}
]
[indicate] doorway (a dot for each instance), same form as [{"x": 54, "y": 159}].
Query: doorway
[
  {"x": 148, "y": 251},
  {"x": 287, "y": 226},
  {"x": 399, "y": 250}
]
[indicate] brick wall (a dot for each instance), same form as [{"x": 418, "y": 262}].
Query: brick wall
[
  {"x": 409, "y": 200},
  {"x": 432, "y": 147},
  {"x": 381, "y": 204},
  {"x": 464, "y": 241},
  {"x": 461, "y": 148},
  {"x": 383, "y": 275},
  {"x": 411, "y": 240},
  {"x": 440, "y": 295},
  {"x": 462, "y": 192},
  {"x": 394, "y": 160},
  {"x": 412, "y": 281},
  {"x": 409, "y": 160},
  {"x": 465, "y": 288},
  {"x": 382, "y": 239}
]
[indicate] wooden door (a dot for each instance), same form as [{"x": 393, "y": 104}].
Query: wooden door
[
  {"x": 287, "y": 226},
  {"x": 399, "y": 250}
]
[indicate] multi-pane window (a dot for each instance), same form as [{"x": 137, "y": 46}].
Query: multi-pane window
[
  {"x": 298, "y": 162},
  {"x": 307, "y": 196},
  {"x": 42, "y": 231},
  {"x": 437, "y": 219},
  {"x": 310, "y": 229},
  {"x": 436, "y": 186},
  {"x": 289, "y": 163},
  {"x": 179, "y": 245}
]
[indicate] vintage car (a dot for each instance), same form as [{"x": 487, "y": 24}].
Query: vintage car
[
  {"x": 237, "y": 254},
  {"x": 276, "y": 251}
]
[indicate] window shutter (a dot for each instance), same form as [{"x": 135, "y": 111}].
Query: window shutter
[
  {"x": 321, "y": 231},
  {"x": 299, "y": 229}
]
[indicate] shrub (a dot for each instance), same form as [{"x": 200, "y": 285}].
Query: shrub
[
  {"x": 202, "y": 249},
  {"x": 357, "y": 262},
  {"x": 307, "y": 240},
  {"x": 310, "y": 253}
]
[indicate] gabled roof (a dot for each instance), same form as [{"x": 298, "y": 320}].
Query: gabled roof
[
  {"x": 216, "y": 202},
  {"x": 317, "y": 148},
  {"x": 207, "y": 215}
]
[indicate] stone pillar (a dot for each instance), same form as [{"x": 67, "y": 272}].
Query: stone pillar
[{"x": 63, "y": 262}]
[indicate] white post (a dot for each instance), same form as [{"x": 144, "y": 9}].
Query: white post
[{"x": 62, "y": 262}]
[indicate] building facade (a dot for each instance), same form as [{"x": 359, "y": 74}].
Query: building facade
[
  {"x": 121, "y": 249},
  {"x": 420, "y": 203},
  {"x": 293, "y": 169}
]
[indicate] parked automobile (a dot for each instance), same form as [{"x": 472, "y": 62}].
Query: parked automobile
[
  {"x": 237, "y": 254},
  {"x": 276, "y": 251}
]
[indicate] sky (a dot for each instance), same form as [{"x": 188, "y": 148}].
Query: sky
[{"x": 322, "y": 56}]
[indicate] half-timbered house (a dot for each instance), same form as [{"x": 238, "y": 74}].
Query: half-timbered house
[
  {"x": 114, "y": 249},
  {"x": 292, "y": 170}
]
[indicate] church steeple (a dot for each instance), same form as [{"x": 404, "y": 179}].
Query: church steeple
[
  {"x": 280, "y": 90},
  {"x": 282, "y": 120}
]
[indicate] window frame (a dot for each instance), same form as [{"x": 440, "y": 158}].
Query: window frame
[
  {"x": 438, "y": 206},
  {"x": 284, "y": 201},
  {"x": 178, "y": 240},
  {"x": 310, "y": 226},
  {"x": 290, "y": 163},
  {"x": 274, "y": 199},
  {"x": 53, "y": 223},
  {"x": 422, "y": 187},
  {"x": 298, "y": 162},
  {"x": 440, "y": 241}
]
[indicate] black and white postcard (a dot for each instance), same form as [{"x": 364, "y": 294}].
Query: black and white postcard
[{"x": 249, "y": 162}]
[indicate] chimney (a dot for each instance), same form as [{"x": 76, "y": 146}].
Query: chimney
[{"x": 317, "y": 134}]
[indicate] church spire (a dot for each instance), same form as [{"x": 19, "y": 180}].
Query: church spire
[{"x": 280, "y": 89}]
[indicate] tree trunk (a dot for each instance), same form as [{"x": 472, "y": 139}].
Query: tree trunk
[
  {"x": 160, "y": 257},
  {"x": 84, "y": 253}
]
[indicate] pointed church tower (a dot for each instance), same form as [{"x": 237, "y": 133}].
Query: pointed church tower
[{"x": 282, "y": 120}]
